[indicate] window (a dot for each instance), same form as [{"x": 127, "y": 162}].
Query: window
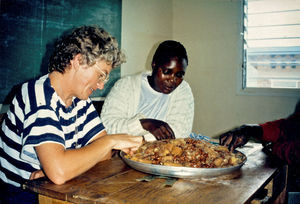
[{"x": 271, "y": 56}]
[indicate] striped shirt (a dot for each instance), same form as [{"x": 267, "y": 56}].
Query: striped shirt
[{"x": 37, "y": 116}]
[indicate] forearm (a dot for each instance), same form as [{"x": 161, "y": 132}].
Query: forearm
[
  {"x": 271, "y": 131},
  {"x": 119, "y": 124},
  {"x": 67, "y": 164},
  {"x": 119, "y": 109}
]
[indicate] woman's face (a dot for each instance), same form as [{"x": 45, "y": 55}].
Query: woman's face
[
  {"x": 169, "y": 76},
  {"x": 90, "y": 79}
]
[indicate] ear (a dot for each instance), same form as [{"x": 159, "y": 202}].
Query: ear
[
  {"x": 153, "y": 64},
  {"x": 75, "y": 62}
]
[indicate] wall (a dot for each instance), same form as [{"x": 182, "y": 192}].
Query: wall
[
  {"x": 29, "y": 29},
  {"x": 210, "y": 31},
  {"x": 144, "y": 25}
]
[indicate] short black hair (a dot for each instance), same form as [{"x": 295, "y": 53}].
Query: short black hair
[{"x": 167, "y": 50}]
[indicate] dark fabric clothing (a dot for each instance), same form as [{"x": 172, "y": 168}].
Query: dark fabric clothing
[
  {"x": 10, "y": 194},
  {"x": 284, "y": 134},
  {"x": 284, "y": 138}
]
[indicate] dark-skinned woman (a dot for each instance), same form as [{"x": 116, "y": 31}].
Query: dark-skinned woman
[{"x": 158, "y": 104}]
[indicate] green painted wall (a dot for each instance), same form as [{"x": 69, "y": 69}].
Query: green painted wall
[{"x": 29, "y": 28}]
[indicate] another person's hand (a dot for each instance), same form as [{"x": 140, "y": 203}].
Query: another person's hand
[
  {"x": 160, "y": 129},
  {"x": 36, "y": 174},
  {"x": 240, "y": 136}
]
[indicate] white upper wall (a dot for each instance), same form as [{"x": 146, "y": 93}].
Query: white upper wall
[
  {"x": 210, "y": 31},
  {"x": 144, "y": 25}
]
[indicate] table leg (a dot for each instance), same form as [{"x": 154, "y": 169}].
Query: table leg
[{"x": 47, "y": 200}]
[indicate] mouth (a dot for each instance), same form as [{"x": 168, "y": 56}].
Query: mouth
[
  {"x": 91, "y": 90},
  {"x": 169, "y": 88}
]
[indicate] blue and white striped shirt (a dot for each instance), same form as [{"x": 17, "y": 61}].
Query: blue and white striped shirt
[{"x": 36, "y": 116}]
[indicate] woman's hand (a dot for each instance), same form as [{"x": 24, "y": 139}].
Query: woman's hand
[
  {"x": 36, "y": 174},
  {"x": 160, "y": 129},
  {"x": 126, "y": 143}
]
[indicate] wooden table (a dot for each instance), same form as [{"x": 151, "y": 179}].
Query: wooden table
[{"x": 112, "y": 181}]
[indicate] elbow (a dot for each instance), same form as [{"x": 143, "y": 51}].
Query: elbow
[
  {"x": 58, "y": 181},
  {"x": 58, "y": 178}
]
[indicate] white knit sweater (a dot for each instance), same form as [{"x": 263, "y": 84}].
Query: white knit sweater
[{"x": 119, "y": 111}]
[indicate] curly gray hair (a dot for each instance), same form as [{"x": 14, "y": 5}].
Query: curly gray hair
[{"x": 92, "y": 42}]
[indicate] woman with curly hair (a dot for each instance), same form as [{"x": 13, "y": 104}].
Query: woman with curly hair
[{"x": 52, "y": 128}]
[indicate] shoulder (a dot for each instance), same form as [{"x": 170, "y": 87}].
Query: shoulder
[
  {"x": 129, "y": 81},
  {"x": 35, "y": 93},
  {"x": 133, "y": 77},
  {"x": 184, "y": 88}
]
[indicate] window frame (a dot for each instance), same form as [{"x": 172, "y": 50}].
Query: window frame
[{"x": 256, "y": 91}]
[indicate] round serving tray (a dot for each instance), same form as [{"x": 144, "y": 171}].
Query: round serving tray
[{"x": 182, "y": 172}]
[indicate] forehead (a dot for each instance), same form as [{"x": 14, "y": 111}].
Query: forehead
[
  {"x": 175, "y": 64},
  {"x": 103, "y": 65}
]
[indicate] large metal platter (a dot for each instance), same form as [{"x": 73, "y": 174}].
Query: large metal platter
[{"x": 182, "y": 172}]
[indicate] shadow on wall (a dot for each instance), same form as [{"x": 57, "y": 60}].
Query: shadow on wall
[
  {"x": 43, "y": 70},
  {"x": 8, "y": 99},
  {"x": 148, "y": 63}
]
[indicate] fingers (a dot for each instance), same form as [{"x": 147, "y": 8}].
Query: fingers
[
  {"x": 225, "y": 139},
  {"x": 232, "y": 144},
  {"x": 158, "y": 134},
  {"x": 228, "y": 140},
  {"x": 158, "y": 128},
  {"x": 126, "y": 142},
  {"x": 170, "y": 132},
  {"x": 126, "y": 150},
  {"x": 36, "y": 174},
  {"x": 138, "y": 141},
  {"x": 232, "y": 140},
  {"x": 130, "y": 150},
  {"x": 164, "y": 132}
]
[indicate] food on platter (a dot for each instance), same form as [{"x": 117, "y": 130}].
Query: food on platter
[{"x": 186, "y": 152}]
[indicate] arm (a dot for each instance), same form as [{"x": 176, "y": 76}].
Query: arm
[
  {"x": 61, "y": 165},
  {"x": 43, "y": 135},
  {"x": 284, "y": 135},
  {"x": 119, "y": 109},
  {"x": 180, "y": 116},
  {"x": 271, "y": 130},
  {"x": 268, "y": 132},
  {"x": 238, "y": 137},
  {"x": 159, "y": 129}
]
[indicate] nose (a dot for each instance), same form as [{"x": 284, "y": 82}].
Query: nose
[
  {"x": 100, "y": 85},
  {"x": 172, "y": 78}
]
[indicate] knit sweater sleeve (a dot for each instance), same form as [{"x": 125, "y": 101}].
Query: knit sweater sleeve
[
  {"x": 119, "y": 109},
  {"x": 180, "y": 115},
  {"x": 284, "y": 134},
  {"x": 271, "y": 130}
]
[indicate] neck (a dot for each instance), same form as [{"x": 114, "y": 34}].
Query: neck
[
  {"x": 59, "y": 83},
  {"x": 151, "y": 81}
]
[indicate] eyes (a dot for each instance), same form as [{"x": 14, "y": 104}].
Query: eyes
[
  {"x": 169, "y": 72},
  {"x": 103, "y": 76}
]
